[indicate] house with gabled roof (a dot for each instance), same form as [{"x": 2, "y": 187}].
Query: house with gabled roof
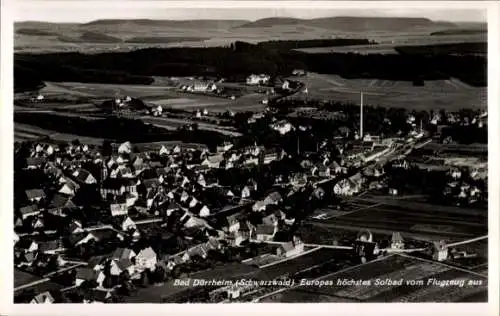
[
  {"x": 246, "y": 192},
  {"x": 123, "y": 253},
  {"x": 198, "y": 250},
  {"x": 27, "y": 245},
  {"x": 259, "y": 206},
  {"x": 172, "y": 261},
  {"x": 68, "y": 187},
  {"x": 397, "y": 241},
  {"x": 118, "y": 208},
  {"x": 59, "y": 203},
  {"x": 43, "y": 298},
  {"x": 35, "y": 195},
  {"x": 128, "y": 224},
  {"x": 225, "y": 146},
  {"x": 233, "y": 222},
  {"x": 291, "y": 248},
  {"x": 122, "y": 265},
  {"x": 213, "y": 161},
  {"x": 76, "y": 227},
  {"x": 238, "y": 237},
  {"x": 97, "y": 236},
  {"x": 38, "y": 223},
  {"x": 118, "y": 186},
  {"x": 96, "y": 263},
  {"x": 273, "y": 198},
  {"x": 29, "y": 210},
  {"x": 85, "y": 274},
  {"x": 102, "y": 295},
  {"x": 83, "y": 176},
  {"x": 270, "y": 220},
  {"x": 35, "y": 162},
  {"x": 213, "y": 244},
  {"x": 51, "y": 246},
  {"x": 264, "y": 232}
]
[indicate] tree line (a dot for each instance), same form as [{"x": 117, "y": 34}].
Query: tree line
[{"x": 238, "y": 60}]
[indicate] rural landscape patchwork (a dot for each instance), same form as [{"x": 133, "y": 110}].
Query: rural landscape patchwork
[{"x": 338, "y": 159}]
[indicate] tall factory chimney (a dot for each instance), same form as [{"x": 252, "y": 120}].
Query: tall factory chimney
[{"x": 361, "y": 118}]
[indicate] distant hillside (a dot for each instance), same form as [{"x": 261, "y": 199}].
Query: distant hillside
[
  {"x": 35, "y": 32},
  {"x": 90, "y": 37},
  {"x": 353, "y": 24},
  {"x": 460, "y": 32},
  {"x": 201, "y": 24},
  {"x": 68, "y": 39},
  {"x": 95, "y": 37},
  {"x": 269, "y": 22},
  {"x": 164, "y": 39},
  {"x": 41, "y": 25}
]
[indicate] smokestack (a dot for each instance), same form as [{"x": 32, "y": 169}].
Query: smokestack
[
  {"x": 361, "y": 118},
  {"x": 298, "y": 145}
]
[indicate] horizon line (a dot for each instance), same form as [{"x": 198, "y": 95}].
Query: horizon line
[{"x": 249, "y": 20}]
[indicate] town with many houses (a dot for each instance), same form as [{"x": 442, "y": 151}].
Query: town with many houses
[{"x": 95, "y": 227}]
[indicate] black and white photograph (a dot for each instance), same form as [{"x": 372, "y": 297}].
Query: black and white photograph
[{"x": 249, "y": 154}]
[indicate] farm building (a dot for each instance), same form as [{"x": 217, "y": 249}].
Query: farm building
[
  {"x": 201, "y": 86},
  {"x": 299, "y": 72},
  {"x": 258, "y": 79}
]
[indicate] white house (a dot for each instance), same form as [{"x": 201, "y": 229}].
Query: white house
[
  {"x": 205, "y": 211},
  {"x": 128, "y": 224},
  {"x": 118, "y": 209},
  {"x": 164, "y": 151},
  {"x": 245, "y": 192},
  {"x": 282, "y": 127},
  {"x": 201, "y": 86},
  {"x": 258, "y": 79},
  {"x": 146, "y": 259},
  {"x": 125, "y": 148}
]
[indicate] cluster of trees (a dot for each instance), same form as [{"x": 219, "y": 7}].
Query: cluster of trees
[
  {"x": 291, "y": 44},
  {"x": 241, "y": 59},
  {"x": 117, "y": 128},
  {"x": 465, "y": 134}
]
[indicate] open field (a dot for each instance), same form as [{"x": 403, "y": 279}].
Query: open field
[
  {"x": 24, "y": 132},
  {"x": 104, "y": 90},
  {"x": 22, "y": 278},
  {"x": 439, "y": 94},
  {"x": 393, "y": 268},
  {"x": 388, "y": 43},
  {"x": 130, "y": 34},
  {"x": 473, "y": 149},
  {"x": 165, "y": 96},
  {"x": 167, "y": 290},
  {"x": 417, "y": 220},
  {"x": 297, "y": 264}
]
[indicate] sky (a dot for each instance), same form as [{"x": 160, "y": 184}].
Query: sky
[{"x": 78, "y": 11}]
